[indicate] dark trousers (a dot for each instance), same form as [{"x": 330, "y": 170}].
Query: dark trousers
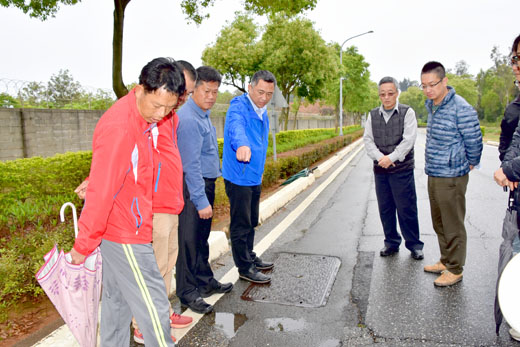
[
  {"x": 193, "y": 271},
  {"x": 244, "y": 205},
  {"x": 396, "y": 194},
  {"x": 448, "y": 209}
]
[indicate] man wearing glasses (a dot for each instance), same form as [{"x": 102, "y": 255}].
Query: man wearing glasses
[
  {"x": 509, "y": 174},
  {"x": 453, "y": 149},
  {"x": 390, "y": 133}
]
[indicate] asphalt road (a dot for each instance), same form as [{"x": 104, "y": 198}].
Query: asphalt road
[{"x": 372, "y": 300}]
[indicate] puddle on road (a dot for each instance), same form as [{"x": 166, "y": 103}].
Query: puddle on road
[
  {"x": 330, "y": 343},
  {"x": 226, "y": 322},
  {"x": 285, "y": 324}
]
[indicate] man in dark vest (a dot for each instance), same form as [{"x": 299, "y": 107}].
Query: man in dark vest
[{"x": 390, "y": 133}]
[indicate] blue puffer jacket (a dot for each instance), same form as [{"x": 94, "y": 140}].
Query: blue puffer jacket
[
  {"x": 244, "y": 128},
  {"x": 453, "y": 137}
]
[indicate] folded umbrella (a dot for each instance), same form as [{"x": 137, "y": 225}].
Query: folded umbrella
[
  {"x": 74, "y": 289},
  {"x": 303, "y": 173}
]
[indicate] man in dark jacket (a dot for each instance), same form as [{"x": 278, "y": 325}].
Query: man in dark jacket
[
  {"x": 508, "y": 126},
  {"x": 390, "y": 133}
]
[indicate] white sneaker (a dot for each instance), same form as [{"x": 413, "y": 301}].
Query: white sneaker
[{"x": 515, "y": 335}]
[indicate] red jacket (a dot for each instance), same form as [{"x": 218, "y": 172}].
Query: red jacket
[
  {"x": 118, "y": 203},
  {"x": 167, "y": 192}
]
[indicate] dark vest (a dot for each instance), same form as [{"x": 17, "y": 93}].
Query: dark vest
[{"x": 388, "y": 135}]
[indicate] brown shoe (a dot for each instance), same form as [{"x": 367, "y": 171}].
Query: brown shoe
[
  {"x": 447, "y": 279},
  {"x": 436, "y": 268}
]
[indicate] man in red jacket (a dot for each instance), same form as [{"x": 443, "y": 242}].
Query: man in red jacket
[
  {"x": 167, "y": 197},
  {"x": 117, "y": 215}
]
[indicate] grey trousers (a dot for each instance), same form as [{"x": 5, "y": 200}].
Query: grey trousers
[
  {"x": 448, "y": 209},
  {"x": 133, "y": 286}
]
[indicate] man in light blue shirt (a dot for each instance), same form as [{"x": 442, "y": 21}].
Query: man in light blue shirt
[{"x": 197, "y": 139}]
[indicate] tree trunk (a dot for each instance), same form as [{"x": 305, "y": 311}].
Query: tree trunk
[
  {"x": 297, "y": 101},
  {"x": 117, "y": 48}
]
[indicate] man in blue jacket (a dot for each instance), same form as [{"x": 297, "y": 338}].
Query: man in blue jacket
[
  {"x": 453, "y": 149},
  {"x": 245, "y": 146}
]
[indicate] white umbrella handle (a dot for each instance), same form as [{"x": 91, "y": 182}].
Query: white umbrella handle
[{"x": 74, "y": 215}]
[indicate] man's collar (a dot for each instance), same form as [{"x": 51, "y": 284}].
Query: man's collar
[
  {"x": 382, "y": 109},
  {"x": 258, "y": 111},
  {"x": 197, "y": 108}
]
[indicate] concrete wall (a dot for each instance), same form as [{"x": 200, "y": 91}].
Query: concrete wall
[{"x": 27, "y": 133}]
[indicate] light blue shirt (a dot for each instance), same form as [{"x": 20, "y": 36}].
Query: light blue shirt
[
  {"x": 258, "y": 111},
  {"x": 197, "y": 139}
]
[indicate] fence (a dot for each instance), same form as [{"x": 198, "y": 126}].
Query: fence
[{"x": 44, "y": 132}]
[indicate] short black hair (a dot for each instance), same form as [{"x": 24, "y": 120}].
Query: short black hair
[
  {"x": 207, "y": 74},
  {"x": 163, "y": 72},
  {"x": 188, "y": 68},
  {"x": 389, "y": 79},
  {"x": 515, "y": 44},
  {"x": 263, "y": 75},
  {"x": 435, "y": 67}
]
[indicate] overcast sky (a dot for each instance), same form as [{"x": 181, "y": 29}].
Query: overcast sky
[{"x": 407, "y": 33}]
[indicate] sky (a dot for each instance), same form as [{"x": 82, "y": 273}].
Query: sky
[{"x": 407, "y": 34}]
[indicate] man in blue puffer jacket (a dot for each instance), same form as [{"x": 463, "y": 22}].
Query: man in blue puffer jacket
[
  {"x": 453, "y": 149},
  {"x": 246, "y": 135}
]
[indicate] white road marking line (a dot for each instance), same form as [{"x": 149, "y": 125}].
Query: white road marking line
[{"x": 267, "y": 241}]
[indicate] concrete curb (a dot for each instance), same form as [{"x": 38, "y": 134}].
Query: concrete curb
[{"x": 218, "y": 242}]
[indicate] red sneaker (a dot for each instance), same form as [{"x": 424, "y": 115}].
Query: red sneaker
[
  {"x": 177, "y": 321},
  {"x": 138, "y": 337}
]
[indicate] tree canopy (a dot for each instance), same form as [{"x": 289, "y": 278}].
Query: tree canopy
[
  {"x": 193, "y": 9},
  {"x": 41, "y": 9}
]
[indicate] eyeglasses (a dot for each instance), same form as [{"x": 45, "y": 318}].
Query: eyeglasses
[
  {"x": 514, "y": 60},
  {"x": 383, "y": 95},
  {"x": 431, "y": 86}
]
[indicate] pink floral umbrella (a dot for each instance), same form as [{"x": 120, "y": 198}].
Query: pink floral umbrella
[{"x": 74, "y": 289}]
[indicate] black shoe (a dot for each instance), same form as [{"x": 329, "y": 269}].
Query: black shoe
[
  {"x": 386, "y": 251},
  {"x": 263, "y": 265},
  {"x": 255, "y": 276},
  {"x": 198, "y": 305},
  {"x": 417, "y": 254},
  {"x": 220, "y": 288}
]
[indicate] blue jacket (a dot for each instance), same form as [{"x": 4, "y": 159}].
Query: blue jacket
[
  {"x": 244, "y": 128},
  {"x": 453, "y": 137}
]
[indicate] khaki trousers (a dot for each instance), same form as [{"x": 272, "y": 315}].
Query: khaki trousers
[
  {"x": 448, "y": 209},
  {"x": 165, "y": 247}
]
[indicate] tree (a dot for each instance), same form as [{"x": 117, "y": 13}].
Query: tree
[
  {"x": 407, "y": 83},
  {"x": 193, "y": 8},
  {"x": 62, "y": 89},
  {"x": 235, "y": 53},
  {"x": 491, "y": 106},
  {"x": 465, "y": 86},
  {"x": 358, "y": 91},
  {"x": 461, "y": 68},
  {"x": 414, "y": 97},
  {"x": 299, "y": 58},
  {"x": 8, "y": 101},
  {"x": 41, "y": 9},
  {"x": 34, "y": 94}
]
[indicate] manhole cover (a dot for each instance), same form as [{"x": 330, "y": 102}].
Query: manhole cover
[{"x": 298, "y": 280}]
